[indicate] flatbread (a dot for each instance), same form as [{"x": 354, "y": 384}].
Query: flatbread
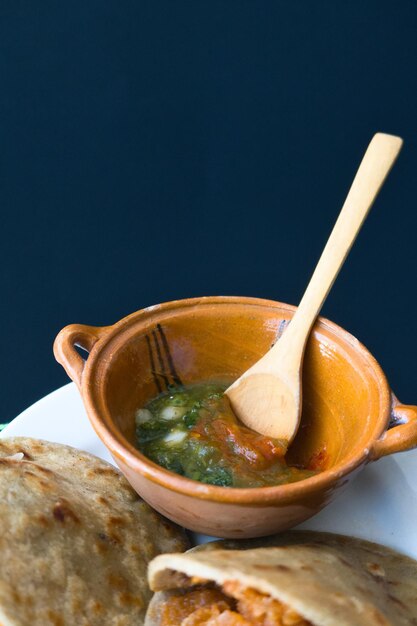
[
  {"x": 75, "y": 539},
  {"x": 328, "y": 579}
]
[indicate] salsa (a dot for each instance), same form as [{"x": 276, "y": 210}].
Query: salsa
[{"x": 193, "y": 431}]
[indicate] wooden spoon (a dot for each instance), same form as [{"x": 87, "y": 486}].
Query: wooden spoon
[{"x": 267, "y": 397}]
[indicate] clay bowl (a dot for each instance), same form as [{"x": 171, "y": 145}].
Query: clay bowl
[{"x": 350, "y": 416}]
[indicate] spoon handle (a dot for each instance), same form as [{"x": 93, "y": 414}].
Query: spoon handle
[{"x": 374, "y": 168}]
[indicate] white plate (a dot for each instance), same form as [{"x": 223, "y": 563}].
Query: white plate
[{"x": 380, "y": 504}]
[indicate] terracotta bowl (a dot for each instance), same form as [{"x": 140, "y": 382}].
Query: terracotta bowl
[{"x": 350, "y": 416}]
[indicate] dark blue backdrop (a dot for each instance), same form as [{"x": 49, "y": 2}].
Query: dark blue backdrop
[{"x": 156, "y": 150}]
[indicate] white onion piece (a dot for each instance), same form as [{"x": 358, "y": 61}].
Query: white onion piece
[
  {"x": 173, "y": 412},
  {"x": 143, "y": 416},
  {"x": 176, "y": 437}
]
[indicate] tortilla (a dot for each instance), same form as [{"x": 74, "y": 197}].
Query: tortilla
[
  {"x": 75, "y": 539},
  {"x": 321, "y": 578}
]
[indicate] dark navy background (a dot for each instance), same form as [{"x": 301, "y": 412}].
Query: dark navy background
[{"x": 153, "y": 150}]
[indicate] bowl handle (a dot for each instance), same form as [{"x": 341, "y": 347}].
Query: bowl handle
[
  {"x": 402, "y": 435},
  {"x": 84, "y": 337}
]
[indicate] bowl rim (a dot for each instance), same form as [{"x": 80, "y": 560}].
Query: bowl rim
[{"x": 122, "y": 450}]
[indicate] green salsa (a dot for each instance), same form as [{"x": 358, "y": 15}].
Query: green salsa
[{"x": 193, "y": 431}]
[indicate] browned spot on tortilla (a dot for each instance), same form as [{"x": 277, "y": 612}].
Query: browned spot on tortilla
[
  {"x": 114, "y": 537},
  {"x": 128, "y": 599},
  {"x": 43, "y": 520},
  {"x": 117, "y": 582},
  {"x": 109, "y": 538},
  {"x": 96, "y": 607},
  {"x": 100, "y": 548},
  {"x": 16, "y": 596},
  {"x": 102, "y": 471},
  {"x": 116, "y": 521},
  {"x": 134, "y": 548},
  {"x": 56, "y": 619},
  {"x": 306, "y": 568},
  {"x": 340, "y": 597},
  {"x": 379, "y": 617},
  {"x": 279, "y": 567},
  {"x": 102, "y": 500},
  {"x": 376, "y": 570},
  {"x": 37, "y": 480},
  {"x": 76, "y": 605},
  {"x": 34, "y": 447},
  {"x": 283, "y": 568},
  {"x": 45, "y": 470},
  {"x": 63, "y": 512},
  {"x": 166, "y": 524}
]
